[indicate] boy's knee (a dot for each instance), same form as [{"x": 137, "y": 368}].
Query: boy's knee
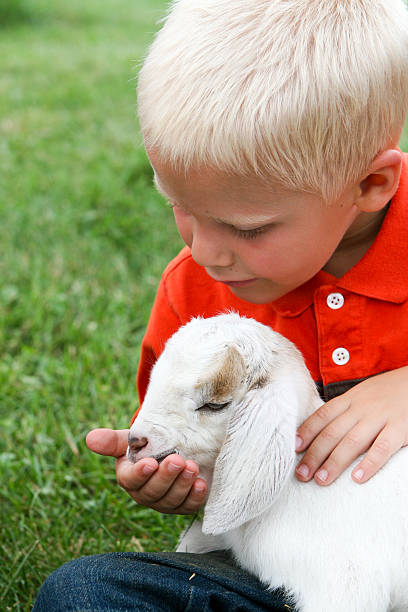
[
  {"x": 105, "y": 582},
  {"x": 65, "y": 588},
  {"x": 57, "y": 587}
]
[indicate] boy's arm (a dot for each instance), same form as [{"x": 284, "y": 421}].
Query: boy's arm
[
  {"x": 372, "y": 416},
  {"x": 171, "y": 487},
  {"x": 163, "y": 323}
]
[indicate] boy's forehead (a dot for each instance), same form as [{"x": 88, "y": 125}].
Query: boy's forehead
[
  {"x": 245, "y": 202},
  {"x": 238, "y": 208},
  {"x": 177, "y": 183}
]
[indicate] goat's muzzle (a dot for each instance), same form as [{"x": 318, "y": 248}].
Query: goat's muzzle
[{"x": 136, "y": 444}]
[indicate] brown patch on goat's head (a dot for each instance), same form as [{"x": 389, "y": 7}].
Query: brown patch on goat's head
[
  {"x": 225, "y": 378},
  {"x": 260, "y": 382}
]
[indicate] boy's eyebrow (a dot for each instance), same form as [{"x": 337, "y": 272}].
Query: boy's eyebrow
[{"x": 248, "y": 222}]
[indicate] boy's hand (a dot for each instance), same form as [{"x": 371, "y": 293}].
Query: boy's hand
[
  {"x": 171, "y": 487},
  {"x": 371, "y": 416}
]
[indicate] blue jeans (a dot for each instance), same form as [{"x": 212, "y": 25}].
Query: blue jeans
[{"x": 157, "y": 582}]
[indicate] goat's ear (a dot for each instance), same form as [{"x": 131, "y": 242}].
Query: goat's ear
[
  {"x": 256, "y": 458},
  {"x": 224, "y": 376}
]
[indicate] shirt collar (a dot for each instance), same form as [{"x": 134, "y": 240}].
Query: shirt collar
[{"x": 382, "y": 273}]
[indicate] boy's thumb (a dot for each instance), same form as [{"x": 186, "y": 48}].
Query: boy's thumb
[{"x": 111, "y": 442}]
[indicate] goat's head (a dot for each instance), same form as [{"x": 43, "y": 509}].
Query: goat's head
[{"x": 227, "y": 392}]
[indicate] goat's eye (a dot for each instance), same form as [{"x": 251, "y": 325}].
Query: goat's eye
[{"x": 213, "y": 406}]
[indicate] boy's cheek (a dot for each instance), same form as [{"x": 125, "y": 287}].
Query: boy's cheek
[{"x": 183, "y": 223}]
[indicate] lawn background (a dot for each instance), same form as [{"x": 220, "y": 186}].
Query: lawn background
[{"x": 83, "y": 240}]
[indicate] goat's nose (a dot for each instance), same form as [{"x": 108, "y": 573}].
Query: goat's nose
[{"x": 136, "y": 443}]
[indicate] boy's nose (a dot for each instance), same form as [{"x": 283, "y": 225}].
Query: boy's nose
[{"x": 211, "y": 251}]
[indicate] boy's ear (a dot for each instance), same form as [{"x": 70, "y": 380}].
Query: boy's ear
[{"x": 381, "y": 182}]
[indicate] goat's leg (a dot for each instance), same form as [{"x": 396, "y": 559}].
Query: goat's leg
[{"x": 193, "y": 540}]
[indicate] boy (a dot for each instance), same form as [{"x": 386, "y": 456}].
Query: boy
[{"x": 272, "y": 128}]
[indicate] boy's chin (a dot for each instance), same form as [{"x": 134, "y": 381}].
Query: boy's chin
[{"x": 257, "y": 293}]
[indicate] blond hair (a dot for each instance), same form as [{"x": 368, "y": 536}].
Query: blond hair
[{"x": 301, "y": 92}]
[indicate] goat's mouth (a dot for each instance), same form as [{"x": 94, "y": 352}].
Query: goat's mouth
[
  {"x": 160, "y": 456},
  {"x": 135, "y": 456}
]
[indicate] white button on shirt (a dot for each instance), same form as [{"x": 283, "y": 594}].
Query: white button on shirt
[
  {"x": 335, "y": 300},
  {"x": 341, "y": 356}
]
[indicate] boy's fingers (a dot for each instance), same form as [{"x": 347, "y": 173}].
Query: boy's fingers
[
  {"x": 190, "y": 502},
  {"x": 355, "y": 441},
  {"x": 110, "y": 442},
  {"x": 177, "y": 494},
  {"x": 147, "y": 481},
  {"x": 133, "y": 476},
  {"x": 195, "y": 498},
  {"x": 385, "y": 445},
  {"x": 325, "y": 443},
  {"x": 322, "y": 417},
  {"x": 174, "y": 488}
]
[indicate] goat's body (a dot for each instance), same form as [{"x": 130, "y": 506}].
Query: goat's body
[
  {"x": 345, "y": 573},
  {"x": 340, "y": 548}
]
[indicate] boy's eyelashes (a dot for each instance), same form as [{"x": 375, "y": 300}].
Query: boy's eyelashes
[{"x": 249, "y": 234}]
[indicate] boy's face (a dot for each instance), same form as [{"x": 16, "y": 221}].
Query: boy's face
[{"x": 259, "y": 240}]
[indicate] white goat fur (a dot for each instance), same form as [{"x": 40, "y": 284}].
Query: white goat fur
[{"x": 341, "y": 548}]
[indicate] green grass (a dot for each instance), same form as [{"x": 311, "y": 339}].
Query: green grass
[{"x": 84, "y": 238}]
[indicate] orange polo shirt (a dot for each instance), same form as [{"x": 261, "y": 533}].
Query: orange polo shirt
[{"x": 347, "y": 328}]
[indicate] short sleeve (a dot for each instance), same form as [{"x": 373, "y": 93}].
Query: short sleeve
[{"x": 163, "y": 323}]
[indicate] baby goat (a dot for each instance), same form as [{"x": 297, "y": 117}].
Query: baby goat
[{"x": 229, "y": 393}]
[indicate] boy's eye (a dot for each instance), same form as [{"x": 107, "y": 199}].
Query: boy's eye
[
  {"x": 246, "y": 234},
  {"x": 249, "y": 234}
]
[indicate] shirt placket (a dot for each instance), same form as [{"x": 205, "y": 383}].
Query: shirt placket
[{"x": 339, "y": 335}]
